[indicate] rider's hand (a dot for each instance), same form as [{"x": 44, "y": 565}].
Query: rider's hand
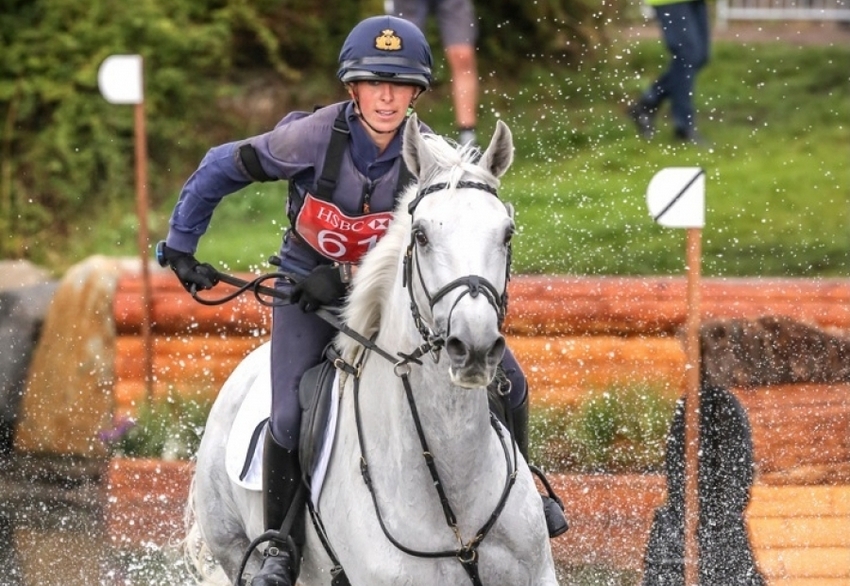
[
  {"x": 193, "y": 275},
  {"x": 321, "y": 287}
]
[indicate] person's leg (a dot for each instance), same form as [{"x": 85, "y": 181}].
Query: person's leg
[
  {"x": 462, "y": 62},
  {"x": 297, "y": 342},
  {"x": 459, "y": 32},
  {"x": 553, "y": 510},
  {"x": 684, "y": 37}
]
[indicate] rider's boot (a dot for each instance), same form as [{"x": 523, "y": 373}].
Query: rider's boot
[
  {"x": 553, "y": 508},
  {"x": 281, "y": 478}
]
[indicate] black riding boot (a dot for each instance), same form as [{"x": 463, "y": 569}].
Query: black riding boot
[
  {"x": 281, "y": 478},
  {"x": 553, "y": 508}
]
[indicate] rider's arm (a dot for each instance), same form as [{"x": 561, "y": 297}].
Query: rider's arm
[{"x": 218, "y": 175}]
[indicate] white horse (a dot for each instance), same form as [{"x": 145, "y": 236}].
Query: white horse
[{"x": 433, "y": 285}]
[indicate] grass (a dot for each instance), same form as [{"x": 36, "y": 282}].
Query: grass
[
  {"x": 616, "y": 430},
  {"x": 777, "y": 189}
]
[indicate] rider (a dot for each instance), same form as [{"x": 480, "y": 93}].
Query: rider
[{"x": 343, "y": 163}]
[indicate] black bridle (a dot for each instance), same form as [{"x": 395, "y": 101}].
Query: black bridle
[{"x": 473, "y": 284}]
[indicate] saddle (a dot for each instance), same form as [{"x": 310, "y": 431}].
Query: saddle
[{"x": 316, "y": 394}]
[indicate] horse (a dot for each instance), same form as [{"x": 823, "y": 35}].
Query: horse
[{"x": 423, "y": 484}]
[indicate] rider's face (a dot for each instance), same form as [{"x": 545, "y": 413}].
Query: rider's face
[{"x": 383, "y": 104}]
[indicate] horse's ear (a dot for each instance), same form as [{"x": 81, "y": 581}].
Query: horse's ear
[
  {"x": 500, "y": 153},
  {"x": 410, "y": 145}
]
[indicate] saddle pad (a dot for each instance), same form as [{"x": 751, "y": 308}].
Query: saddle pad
[
  {"x": 243, "y": 456},
  {"x": 244, "y": 451}
]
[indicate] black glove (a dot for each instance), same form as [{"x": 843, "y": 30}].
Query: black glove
[
  {"x": 321, "y": 287},
  {"x": 193, "y": 275}
]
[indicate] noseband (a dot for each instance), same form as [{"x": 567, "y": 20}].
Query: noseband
[{"x": 472, "y": 285}]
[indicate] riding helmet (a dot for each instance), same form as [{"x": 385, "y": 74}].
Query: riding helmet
[{"x": 386, "y": 48}]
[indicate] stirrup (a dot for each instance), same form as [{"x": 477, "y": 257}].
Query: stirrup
[{"x": 281, "y": 563}]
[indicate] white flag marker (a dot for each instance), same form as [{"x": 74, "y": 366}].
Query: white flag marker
[
  {"x": 676, "y": 197},
  {"x": 120, "y": 79}
]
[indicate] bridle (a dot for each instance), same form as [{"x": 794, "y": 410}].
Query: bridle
[
  {"x": 473, "y": 284},
  {"x": 467, "y": 552}
]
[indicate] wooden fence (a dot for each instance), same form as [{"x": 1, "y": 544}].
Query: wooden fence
[
  {"x": 570, "y": 334},
  {"x": 800, "y": 534}
]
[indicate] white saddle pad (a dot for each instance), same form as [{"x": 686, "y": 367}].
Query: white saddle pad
[{"x": 244, "y": 451}]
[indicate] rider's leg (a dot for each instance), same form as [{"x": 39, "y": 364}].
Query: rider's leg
[
  {"x": 298, "y": 340},
  {"x": 556, "y": 521},
  {"x": 281, "y": 479}
]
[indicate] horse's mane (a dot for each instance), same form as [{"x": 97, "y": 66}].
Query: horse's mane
[{"x": 375, "y": 277}]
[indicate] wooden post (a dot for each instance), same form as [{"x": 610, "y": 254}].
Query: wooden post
[
  {"x": 144, "y": 240},
  {"x": 692, "y": 407}
]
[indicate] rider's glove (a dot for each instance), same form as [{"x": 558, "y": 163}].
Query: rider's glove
[
  {"x": 323, "y": 286},
  {"x": 193, "y": 275}
]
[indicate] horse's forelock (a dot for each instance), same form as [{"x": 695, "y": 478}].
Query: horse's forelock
[{"x": 453, "y": 162}]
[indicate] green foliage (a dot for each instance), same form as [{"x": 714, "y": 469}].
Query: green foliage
[
  {"x": 217, "y": 70},
  {"x": 618, "y": 430},
  {"x": 552, "y": 33},
  {"x": 170, "y": 429},
  {"x": 66, "y": 151}
]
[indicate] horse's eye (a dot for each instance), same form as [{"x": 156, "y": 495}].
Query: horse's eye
[
  {"x": 420, "y": 237},
  {"x": 509, "y": 234}
]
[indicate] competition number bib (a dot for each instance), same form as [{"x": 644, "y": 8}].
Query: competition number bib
[{"x": 335, "y": 235}]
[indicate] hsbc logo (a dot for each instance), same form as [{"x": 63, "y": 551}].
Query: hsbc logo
[{"x": 379, "y": 223}]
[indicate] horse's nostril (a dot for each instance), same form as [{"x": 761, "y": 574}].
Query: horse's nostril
[
  {"x": 497, "y": 350},
  {"x": 456, "y": 349}
]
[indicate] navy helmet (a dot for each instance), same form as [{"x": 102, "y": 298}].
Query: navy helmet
[{"x": 386, "y": 48}]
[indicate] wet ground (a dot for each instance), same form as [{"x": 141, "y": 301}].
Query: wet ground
[{"x": 52, "y": 533}]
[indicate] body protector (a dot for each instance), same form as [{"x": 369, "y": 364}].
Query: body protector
[{"x": 326, "y": 228}]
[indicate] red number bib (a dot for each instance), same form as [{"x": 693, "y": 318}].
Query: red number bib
[{"x": 337, "y": 236}]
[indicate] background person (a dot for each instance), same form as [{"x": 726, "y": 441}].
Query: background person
[
  {"x": 458, "y": 32},
  {"x": 684, "y": 26}
]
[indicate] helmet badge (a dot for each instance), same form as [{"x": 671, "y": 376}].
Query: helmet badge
[{"x": 388, "y": 41}]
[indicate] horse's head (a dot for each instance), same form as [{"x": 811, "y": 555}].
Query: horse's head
[{"x": 458, "y": 259}]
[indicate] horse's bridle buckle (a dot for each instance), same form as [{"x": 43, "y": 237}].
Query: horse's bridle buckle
[{"x": 467, "y": 555}]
